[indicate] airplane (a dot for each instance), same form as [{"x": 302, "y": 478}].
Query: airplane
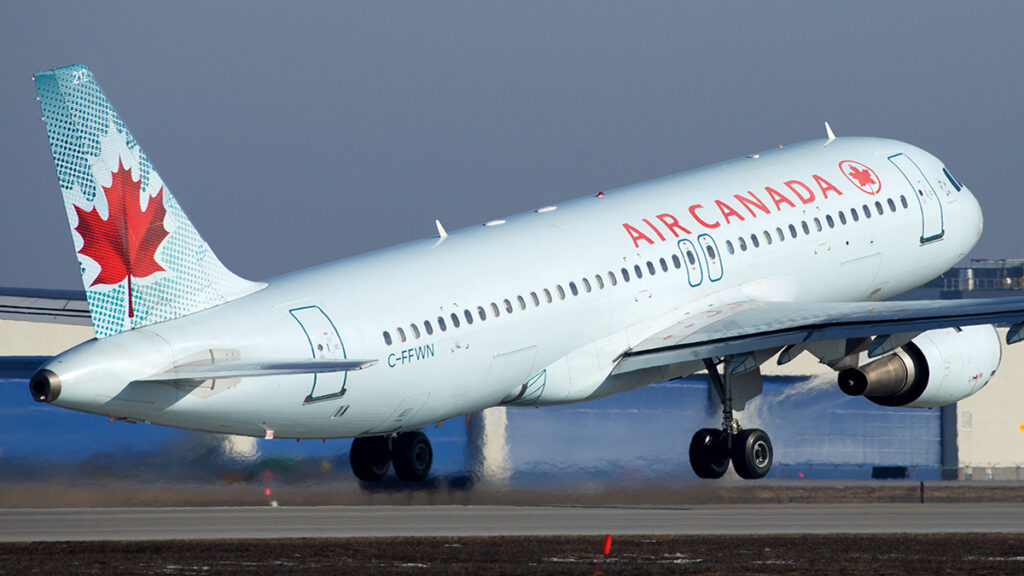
[{"x": 770, "y": 255}]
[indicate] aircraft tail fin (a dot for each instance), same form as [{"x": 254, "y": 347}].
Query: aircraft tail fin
[{"x": 141, "y": 259}]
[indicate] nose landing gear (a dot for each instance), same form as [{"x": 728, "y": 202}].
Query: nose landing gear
[{"x": 711, "y": 450}]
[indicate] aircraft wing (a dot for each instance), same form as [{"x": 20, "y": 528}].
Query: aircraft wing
[
  {"x": 50, "y": 306},
  {"x": 201, "y": 372},
  {"x": 748, "y": 326}
]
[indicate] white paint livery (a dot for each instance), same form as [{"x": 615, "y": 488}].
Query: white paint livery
[{"x": 589, "y": 298}]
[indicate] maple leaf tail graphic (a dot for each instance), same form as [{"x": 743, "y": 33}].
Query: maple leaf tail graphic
[{"x": 142, "y": 260}]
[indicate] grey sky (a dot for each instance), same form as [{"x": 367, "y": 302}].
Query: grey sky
[{"x": 298, "y": 133}]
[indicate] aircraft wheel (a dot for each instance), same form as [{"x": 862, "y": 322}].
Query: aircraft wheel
[
  {"x": 370, "y": 458},
  {"x": 752, "y": 454},
  {"x": 412, "y": 456},
  {"x": 708, "y": 456}
]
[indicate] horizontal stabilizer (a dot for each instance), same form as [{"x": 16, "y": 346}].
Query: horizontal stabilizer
[
  {"x": 21, "y": 366},
  {"x": 247, "y": 369},
  {"x": 46, "y": 306}
]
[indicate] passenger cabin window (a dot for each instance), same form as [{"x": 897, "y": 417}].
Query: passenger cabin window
[
  {"x": 508, "y": 306},
  {"x": 401, "y": 335},
  {"x": 468, "y": 315},
  {"x": 892, "y": 205},
  {"x": 600, "y": 282},
  {"x": 828, "y": 220},
  {"x": 676, "y": 262},
  {"x": 638, "y": 272},
  {"x": 780, "y": 234},
  {"x": 693, "y": 259},
  {"x": 878, "y": 208},
  {"x": 854, "y": 215},
  {"x": 650, "y": 268},
  {"x": 625, "y": 275},
  {"x": 415, "y": 330},
  {"x": 817, "y": 224},
  {"x": 547, "y": 296},
  {"x": 428, "y": 327},
  {"x": 754, "y": 241},
  {"x": 792, "y": 231},
  {"x": 711, "y": 251},
  {"x": 441, "y": 324},
  {"x": 536, "y": 301},
  {"x": 387, "y": 338},
  {"x": 494, "y": 310},
  {"x": 867, "y": 211},
  {"x": 729, "y": 248},
  {"x": 743, "y": 246},
  {"x": 481, "y": 312},
  {"x": 805, "y": 227},
  {"x": 664, "y": 265},
  {"x": 767, "y": 238},
  {"x": 611, "y": 279},
  {"x": 522, "y": 303},
  {"x": 842, "y": 218},
  {"x": 572, "y": 288},
  {"x": 455, "y": 320},
  {"x": 561, "y": 291},
  {"x": 903, "y": 200},
  {"x": 586, "y": 285}
]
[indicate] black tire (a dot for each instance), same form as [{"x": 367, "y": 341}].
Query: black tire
[
  {"x": 370, "y": 458},
  {"x": 752, "y": 454},
  {"x": 708, "y": 456},
  {"x": 412, "y": 456}
]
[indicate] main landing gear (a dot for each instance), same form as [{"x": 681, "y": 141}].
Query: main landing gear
[
  {"x": 711, "y": 450},
  {"x": 409, "y": 452}
]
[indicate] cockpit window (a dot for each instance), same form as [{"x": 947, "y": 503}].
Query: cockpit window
[{"x": 956, "y": 183}]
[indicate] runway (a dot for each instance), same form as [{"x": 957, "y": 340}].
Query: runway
[{"x": 390, "y": 521}]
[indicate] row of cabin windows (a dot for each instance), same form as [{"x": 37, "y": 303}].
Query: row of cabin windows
[
  {"x": 545, "y": 296},
  {"x": 638, "y": 272},
  {"x": 755, "y": 239}
]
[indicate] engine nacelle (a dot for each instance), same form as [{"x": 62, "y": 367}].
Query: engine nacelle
[{"x": 938, "y": 367}]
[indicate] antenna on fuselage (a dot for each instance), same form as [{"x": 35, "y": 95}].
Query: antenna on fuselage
[
  {"x": 441, "y": 232},
  {"x": 831, "y": 135}
]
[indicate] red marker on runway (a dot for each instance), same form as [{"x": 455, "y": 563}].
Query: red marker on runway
[{"x": 604, "y": 551}]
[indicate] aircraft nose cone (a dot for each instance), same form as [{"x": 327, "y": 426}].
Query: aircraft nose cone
[{"x": 45, "y": 386}]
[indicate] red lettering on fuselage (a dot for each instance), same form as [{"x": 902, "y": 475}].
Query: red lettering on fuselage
[
  {"x": 693, "y": 212},
  {"x": 672, "y": 224},
  {"x": 667, "y": 223},
  {"x": 796, "y": 185},
  {"x": 825, "y": 186},
  {"x": 727, "y": 211},
  {"x": 636, "y": 235}
]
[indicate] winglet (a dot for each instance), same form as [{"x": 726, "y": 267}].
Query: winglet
[
  {"x": 831, "y": 135},
  {"x": 440, "y": 230}
]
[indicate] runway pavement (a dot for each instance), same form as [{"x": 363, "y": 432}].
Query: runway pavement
[{"x": 354, "y": 521}]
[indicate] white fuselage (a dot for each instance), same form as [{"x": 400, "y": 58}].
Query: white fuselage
[{"x": 566, "y": 348}]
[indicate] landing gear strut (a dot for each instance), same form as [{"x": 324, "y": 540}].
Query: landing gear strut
[
  {"x": 410, "y": 453},
  {"x": 711, "y": 450}
]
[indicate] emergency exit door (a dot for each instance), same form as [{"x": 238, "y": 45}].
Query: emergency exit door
[{"x": 324, "y": 344}]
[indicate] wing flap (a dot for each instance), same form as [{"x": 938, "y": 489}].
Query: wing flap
[{"x": 746, "y": 326}]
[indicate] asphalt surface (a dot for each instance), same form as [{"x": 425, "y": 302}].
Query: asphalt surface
[{"x": 392, "y": 521}]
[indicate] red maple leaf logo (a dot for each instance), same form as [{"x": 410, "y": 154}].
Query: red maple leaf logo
[
  {"x": 125, "y": 244},
  {"x": 863, "y": 177}
]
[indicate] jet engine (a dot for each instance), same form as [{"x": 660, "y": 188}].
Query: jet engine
[{"x": 936, "y": 368}]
